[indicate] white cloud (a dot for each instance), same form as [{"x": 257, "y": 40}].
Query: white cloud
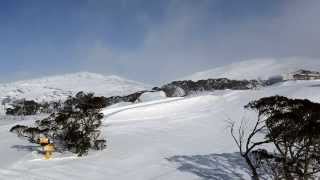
[{"x": 187, "y": 41}]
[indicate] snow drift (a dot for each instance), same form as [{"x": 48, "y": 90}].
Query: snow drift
[{"x": 152, "y": 96}]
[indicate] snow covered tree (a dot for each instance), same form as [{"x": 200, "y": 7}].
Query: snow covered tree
[
  {"x": 23, "y": 107},
  {"x": 75, "y": 128},
  {"x": 19, "y": 130}
]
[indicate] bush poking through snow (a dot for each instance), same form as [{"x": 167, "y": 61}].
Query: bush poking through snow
[
  {"x": 29, "y": 107},
  {"x": 18, "y": 129},
  {"x": 100, "y": 144},
  {"x": 23, "y": 107},
  {"x": 75, "y": 128}
]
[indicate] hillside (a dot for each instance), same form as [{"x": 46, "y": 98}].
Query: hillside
[
  {"x": 183, "y": 138},
  {"x": 257, "y": 69},
  {"x": 58, "y": 87},
  {"x": 174, "y": 138}
]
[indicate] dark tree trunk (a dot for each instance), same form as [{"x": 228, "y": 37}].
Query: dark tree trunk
[{"x": 254, "y": 172}]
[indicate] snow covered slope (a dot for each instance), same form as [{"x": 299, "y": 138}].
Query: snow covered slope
[
  {"x": 169, "y": 139},
  {"x": 165, "y": 139},
  {"x": 258, "y": 68},
  {"x": 58, "y": 87}
]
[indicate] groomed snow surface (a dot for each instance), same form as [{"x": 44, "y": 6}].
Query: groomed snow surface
[{"x": 166, "y": 139}]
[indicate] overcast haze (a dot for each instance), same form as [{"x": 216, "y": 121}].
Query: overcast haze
[{"x": 150, "y": 40}]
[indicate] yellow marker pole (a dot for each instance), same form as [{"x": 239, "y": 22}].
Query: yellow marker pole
[
  {"x": 48, "y": 149},
  {"x": 47, "y": 155}
]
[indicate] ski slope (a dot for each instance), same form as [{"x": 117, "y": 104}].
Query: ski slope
[{"x": 167, "y": 139}]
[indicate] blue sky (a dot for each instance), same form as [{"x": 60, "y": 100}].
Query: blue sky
[{"x": 150, "y": 40}]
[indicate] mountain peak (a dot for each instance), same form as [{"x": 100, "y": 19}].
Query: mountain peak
[{"x": 61, "y": 86}]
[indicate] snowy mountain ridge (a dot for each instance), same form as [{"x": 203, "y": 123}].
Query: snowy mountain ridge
[
  {"x": 257, "y": 69},
  {"x": 61, "y": 86}
]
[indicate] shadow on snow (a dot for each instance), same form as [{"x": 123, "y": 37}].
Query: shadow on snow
[
  {"x": 26, "y": 147},
  {"x": 224, "y": 166}
]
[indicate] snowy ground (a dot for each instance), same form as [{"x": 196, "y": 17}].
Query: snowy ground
[{"x": 178, "y": 138}]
